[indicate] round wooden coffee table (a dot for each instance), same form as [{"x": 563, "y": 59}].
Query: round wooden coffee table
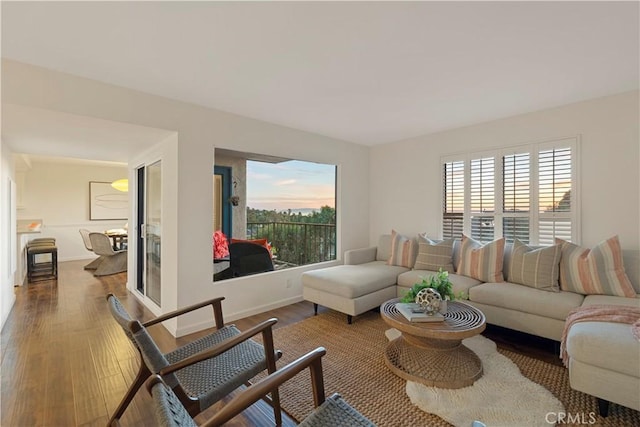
[{"x": 432, "y": 353}]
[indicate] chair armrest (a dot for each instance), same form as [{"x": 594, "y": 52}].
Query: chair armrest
[
  {"x": 246, "y": 398},
  {"x": 264, "y": 328},
  {"x": 215, "y": 303},
  {"x": 360, "y": 256}
]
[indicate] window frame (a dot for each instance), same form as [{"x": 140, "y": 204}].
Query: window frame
[{"x": 534, "y": 215}]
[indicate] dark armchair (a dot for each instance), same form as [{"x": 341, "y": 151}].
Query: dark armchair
[{"x": 247, "y": 258}]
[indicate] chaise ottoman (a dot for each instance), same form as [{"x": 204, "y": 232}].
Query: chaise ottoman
[
  {"x": 605, "y": 358},
  {"x": 351, "y": 289},
  {"x": 362, "y": 284}
]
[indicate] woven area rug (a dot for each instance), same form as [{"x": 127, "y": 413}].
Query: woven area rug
[{"x": 354, "y": 367}]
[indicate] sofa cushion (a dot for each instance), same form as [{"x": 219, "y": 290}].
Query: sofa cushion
[
  {"x": 432, "y": 256},
  {"x": 596, "y": 271},
  {"x": 353, "y": 281},
  {"x": 402, "y": 250},
  {"x": 537, "y": 268},
  {"x": 606, "y": 345},
  {"x": 611, "y": 300},
  {"x": 482, "y": 262},
  {"x": 555, "y": 305},
  {"x": 460, "y": 283}
]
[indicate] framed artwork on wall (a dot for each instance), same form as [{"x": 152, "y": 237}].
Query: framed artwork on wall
[{"x": 107, "y": 203}]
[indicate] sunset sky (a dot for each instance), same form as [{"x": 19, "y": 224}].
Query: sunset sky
[{"x": 290, "y": 185}]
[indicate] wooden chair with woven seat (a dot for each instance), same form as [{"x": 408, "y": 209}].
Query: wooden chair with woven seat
[
  {"x": 333, "y": 411},
  {"x": 205, "y": 370},
  {"x": 113, "y": 262}
]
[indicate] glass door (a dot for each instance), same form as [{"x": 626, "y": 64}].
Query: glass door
[
  {"x": 153, "y": 222},
  {"x": 149, "y": 221}
]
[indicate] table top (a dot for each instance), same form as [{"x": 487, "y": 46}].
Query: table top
[
  {"x": 116, "y": 232},
  {"x": 461, "y": 321}
]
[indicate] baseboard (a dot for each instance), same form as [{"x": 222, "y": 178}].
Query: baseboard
[
  {"x": 230, "y": 317},
  {"x": 261, "y": 309},
  {"x": 76, "y": 258},
  {"x": 7, "y": 309}
]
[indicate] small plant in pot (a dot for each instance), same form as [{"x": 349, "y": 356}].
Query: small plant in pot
[{"x": 440, "y": 282}]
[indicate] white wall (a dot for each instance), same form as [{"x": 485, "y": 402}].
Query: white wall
[
  {"x": 405, "y": 191},
  {"x": 199, "y": 131},
  {"x": 58, "y": 193},
  {"x": 238, "y": 213},
  {"x": 7, "y": 225}
]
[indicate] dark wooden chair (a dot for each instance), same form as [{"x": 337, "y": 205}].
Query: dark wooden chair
[
  {"x": 247, "y": 258},
  {"x": 330, "y": 412},
  {"x": 205, "y": 370}
]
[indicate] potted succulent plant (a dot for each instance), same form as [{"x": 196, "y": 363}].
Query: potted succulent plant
[{"x": 440, "y": 282}]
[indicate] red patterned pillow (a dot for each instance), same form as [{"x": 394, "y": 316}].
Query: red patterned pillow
[{"x": 220, "y": 245}]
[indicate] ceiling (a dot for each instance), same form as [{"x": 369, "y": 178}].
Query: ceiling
[
  {"x": 52, "y": 133},
  {"x": 366, "y": 72}
]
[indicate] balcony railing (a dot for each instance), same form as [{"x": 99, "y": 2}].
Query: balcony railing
[{"x": 297, "y": 243}]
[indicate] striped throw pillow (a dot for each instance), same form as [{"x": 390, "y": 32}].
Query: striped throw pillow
[
  {"x": 598, "y": 271},
  {"x": 537, "y": 268},
  {"x": 482, "y": 262},
  {"x": 433, "y": 256},
  {"x": 401, "y": 250}
]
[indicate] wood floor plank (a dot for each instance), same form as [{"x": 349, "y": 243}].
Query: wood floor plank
[{"x": 61, "y": 415}]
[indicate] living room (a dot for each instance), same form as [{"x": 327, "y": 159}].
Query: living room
[{"x": 385, "y": 182}]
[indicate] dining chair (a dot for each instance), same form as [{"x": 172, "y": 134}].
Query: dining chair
[
  {"x": 113, "y": 261},
  {"x": 87, "y": 244},
  {"x": 205, "y": 370},
  {"x": 333, "y": 411}
]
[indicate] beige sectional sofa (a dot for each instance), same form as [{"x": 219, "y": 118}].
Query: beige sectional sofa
[{"x": 604, "y": 357}]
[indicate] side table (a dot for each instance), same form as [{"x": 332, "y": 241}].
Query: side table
[{"x": 432, "y": 353}]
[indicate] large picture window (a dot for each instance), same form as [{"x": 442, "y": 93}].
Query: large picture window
[
  {"x": 292, "y": 204},
  {"x": 271, "y": 213},
  {"x": 526, "y": 192}
]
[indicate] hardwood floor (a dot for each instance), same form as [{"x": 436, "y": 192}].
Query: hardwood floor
[{"x": 65, "y": 362}]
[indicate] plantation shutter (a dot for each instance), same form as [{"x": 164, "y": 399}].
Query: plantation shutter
[
  {"x": 453, "y": 203},
  {"x": 554, "y": 195},
  {"x": 516, "y": 197},
  {"x": 526, "y": 192},
  {"x": 482, "y": 198}
]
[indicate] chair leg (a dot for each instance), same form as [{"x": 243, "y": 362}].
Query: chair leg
[
  {"x": 141, "y": 376},
  {"x": 315, "y": 309},
  {"x": 277, "y": 410},
  {"x": 94, "y": 264},
  {"x": 112, "y": 265},
  {"x": 349, "y": 319},
  {"x": 603, "y": 407}
]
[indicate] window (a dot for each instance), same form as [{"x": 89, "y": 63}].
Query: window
[
  {"x": 525, "y": 192},
  {"x": 482, "y": 195},
  {"x": 292, "y": 205},
  {"x": 452, "y": 219}
]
